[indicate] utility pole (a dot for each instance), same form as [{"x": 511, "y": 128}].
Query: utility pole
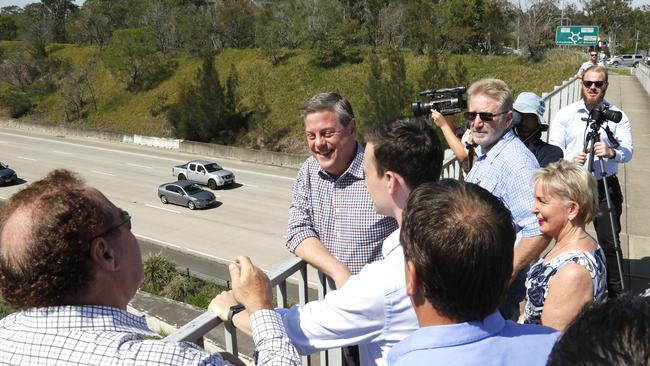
[{"x": 636, "y": 44}]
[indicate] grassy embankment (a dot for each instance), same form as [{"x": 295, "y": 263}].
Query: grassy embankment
[{"x": 283, "y": 88}]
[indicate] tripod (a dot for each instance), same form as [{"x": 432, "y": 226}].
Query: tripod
[{"x": 592, "y": 137}]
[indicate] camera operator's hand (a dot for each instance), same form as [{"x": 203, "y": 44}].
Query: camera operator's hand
[
  {"x": 602, "y": 150},
  {"x": 580, "y": 158},
  {"x": 440, "y": 120}
]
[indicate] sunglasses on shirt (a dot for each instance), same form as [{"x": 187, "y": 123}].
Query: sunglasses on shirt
[
  {"x": 588, "y": 84},
  {"x": 485, "y": 116}
]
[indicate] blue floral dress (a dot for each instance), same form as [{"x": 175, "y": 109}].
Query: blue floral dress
[{"x": 541, "y": 273}]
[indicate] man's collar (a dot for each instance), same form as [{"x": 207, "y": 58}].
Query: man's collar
[
  {"x": 440, "y": 336},
  {"x": 499, "y": 145}
]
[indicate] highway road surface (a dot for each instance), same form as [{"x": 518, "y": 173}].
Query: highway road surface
[{"x": 250, "y": 219}]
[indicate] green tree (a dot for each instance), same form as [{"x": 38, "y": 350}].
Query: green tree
[
  {"x": 435, "y": 74},
  {"x": 133, "y": 57},
  {"x": 36, "y": 27},
  {"x": 387, "y": 92},
  {"x": 8, "y": 27},
  {"x": 205, "y": 111},
  {"x": 235, "y": 23},
  {"x": 60, "y": 12},
  {"x": 16, "y": 102}
]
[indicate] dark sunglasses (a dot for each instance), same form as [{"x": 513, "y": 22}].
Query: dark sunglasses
[
  {"x": 485, "y": 116},
  {"x": 126, "y": 220},
  {"x": 588, "y": 84},
  {"x": 593, "y": 55}
]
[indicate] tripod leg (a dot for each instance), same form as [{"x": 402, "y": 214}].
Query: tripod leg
[{"x": 608, "y": 228}]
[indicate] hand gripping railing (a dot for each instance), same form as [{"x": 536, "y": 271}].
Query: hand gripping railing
[{"x": 198, "y": 327}]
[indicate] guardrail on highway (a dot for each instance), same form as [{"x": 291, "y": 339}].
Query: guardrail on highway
[
  {"x": 194, "y": 331},
  {"x": 642, "y": 73}
]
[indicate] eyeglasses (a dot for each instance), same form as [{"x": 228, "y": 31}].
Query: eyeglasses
[
  {"x": 485, "y": 116},
  {"x": 126, "y": 220},
  {"x": 588, "y": 84},
  {"x": 593, "y": 55}
]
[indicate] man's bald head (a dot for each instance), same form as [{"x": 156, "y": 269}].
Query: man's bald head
[{"x": 45, "y": 235}]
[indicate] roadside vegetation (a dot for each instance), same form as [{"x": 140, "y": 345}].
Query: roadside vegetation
[
  {"x": 236, "y": 72},
  {"x": 162, "y": 279}
]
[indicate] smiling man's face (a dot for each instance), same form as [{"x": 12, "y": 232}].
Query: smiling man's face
[{"x": 331, "y": 143}]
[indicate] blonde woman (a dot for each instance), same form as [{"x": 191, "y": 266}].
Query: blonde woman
[{"x": 573, "y": 273}]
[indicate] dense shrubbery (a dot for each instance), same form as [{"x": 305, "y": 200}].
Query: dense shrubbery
[
  {"x": 16, "y": 102},
  {"x": 162, "y": 279}
]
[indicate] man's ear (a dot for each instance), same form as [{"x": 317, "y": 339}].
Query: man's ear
[
  {"x": 353, "y": 127},
  {"x": 413, "y": 282},
  {"x": 103, "y": 255},
  {"x": 394, "y": 181}
]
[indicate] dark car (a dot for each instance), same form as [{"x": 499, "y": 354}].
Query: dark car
[
  {"x": 7, "y": 176},
  {"x": 185, "y": 193}
]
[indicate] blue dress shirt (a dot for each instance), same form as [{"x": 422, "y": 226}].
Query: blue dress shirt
[
  {"x": 494, "y": 341},
  {"x": 506, "y": 171}
]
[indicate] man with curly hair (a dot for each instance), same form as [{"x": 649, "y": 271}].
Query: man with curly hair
[{"x": 69, "y": 265}]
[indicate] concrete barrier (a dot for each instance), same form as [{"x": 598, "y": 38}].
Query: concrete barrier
[
  {"x": 220, "y": 151},
  {"x": 642, "y": 73}
]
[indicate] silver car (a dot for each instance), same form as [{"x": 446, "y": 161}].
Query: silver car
[
  {"x": 185, "y": 193},
  {"x": 7, "y": 176}
]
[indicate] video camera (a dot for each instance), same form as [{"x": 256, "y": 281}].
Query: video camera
[
  {"x": 447, "y": 101},
  {"x": 601, "y": 112}
]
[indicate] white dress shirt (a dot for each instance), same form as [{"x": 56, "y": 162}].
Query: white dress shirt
[
  {"x": 371, "y": 310},
  {"x": 569, "y": 131}
]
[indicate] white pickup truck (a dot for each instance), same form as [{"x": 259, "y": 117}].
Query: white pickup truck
[{"x": 204, "y": 172}]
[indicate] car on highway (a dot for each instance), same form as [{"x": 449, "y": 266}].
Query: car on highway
[
  {"x": 7, "y": 175},
  {"x": 625, "y": 60},
  {"x": 185, "y": 193},
  {"x": 204, "y": 172}
]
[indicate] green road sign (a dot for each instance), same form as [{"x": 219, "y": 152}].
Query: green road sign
[{"x": 577, "y": 35}]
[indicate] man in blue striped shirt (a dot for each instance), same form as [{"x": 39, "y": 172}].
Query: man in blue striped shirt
[{"x": 505, "y": 167}]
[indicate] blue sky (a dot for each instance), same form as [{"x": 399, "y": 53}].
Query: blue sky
[{"x": 21, "y": 3}]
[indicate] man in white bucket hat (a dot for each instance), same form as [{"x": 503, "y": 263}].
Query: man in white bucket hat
[{"x": 528, "y": 123}]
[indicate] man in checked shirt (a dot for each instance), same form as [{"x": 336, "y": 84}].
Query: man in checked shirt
[
  {"x": 332, "y": 223},
  {"x": 69, "y": 265}
]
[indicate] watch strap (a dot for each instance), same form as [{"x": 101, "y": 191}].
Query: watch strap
[{"x": 234, "y": 310}]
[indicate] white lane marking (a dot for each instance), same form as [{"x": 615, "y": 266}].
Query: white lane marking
[
  {"x": 162, "y": 208},
  {"x": 158, "y": 241},
  {"x": 176, "y": 161},
  {"x": 103, "y": 173},
  {"x": 25, "y": 158},
  {"x": 139, "y": 166},
  {"x": 209, "y": 255},
  {"x": 3, "y": 198},
  {"x": 62, "y": 152},
  {"x": 264, "y": 174}
]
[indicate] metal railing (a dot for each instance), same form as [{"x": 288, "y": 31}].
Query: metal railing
[{"x": 194, "y": 331}]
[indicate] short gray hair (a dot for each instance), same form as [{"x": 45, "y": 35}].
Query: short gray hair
[
  {"x": 495, "y": 89},
  {"x": 334, "y": 102}
]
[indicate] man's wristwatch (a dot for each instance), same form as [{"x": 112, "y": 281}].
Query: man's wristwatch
[{"x": 234, "y": 310}]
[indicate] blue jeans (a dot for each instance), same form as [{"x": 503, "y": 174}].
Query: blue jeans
[{"x": 516, "y": 294}]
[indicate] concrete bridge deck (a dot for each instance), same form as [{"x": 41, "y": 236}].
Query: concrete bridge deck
[{"x": 627, "y": 93}]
